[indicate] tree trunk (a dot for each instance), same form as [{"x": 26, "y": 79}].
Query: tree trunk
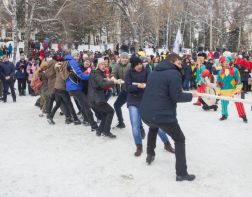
[
  {"x": 15, "y": 30},
  {"x": 27, "y": 36}
]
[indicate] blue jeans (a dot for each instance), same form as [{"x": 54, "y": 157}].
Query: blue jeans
[
  {"x": 135, "y": 121},
  {"x": 163, "y": 136},
  {"x": 186, "y": 84},
  {"x": 120, "y": 101}
]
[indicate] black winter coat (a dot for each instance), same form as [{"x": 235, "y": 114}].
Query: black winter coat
[
  {"x": 21, "y": 70},
  {"x": 135, "y": 94},
  {"x": 163, "y": 92},
  {"x": 96, "y": 85},
  {"x": 7, "y": 69},
  {"x": 187, "y": 71}
]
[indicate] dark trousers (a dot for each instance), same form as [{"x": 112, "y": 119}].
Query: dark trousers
[
  {"x": 173, "y": 130},
  {"x": 120, "y": 101},
  {"x": 107, "y": 116},
  {"x": 245, "y": 86},
  {"x": 186, "y": 83},
  {"x": 30, "y": 90},
  {"x": 21, "y": 86},
  {"x": 9, "y": 84},
  {"x": 49, "y": 103},
  {"x": 62, "y": 97},
  {"x": 83, "y": 101}
]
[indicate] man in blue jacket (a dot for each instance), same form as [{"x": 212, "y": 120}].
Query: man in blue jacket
[
  {"x": 158, "y": 110},
  {"x": 75, "y": 87},
  {"x": 7, "y": 73}
]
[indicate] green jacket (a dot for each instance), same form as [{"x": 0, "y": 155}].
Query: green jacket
[{"x": 120, "y": 72}]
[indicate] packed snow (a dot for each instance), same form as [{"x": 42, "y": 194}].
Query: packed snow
[{"x": 40, "y": 160}]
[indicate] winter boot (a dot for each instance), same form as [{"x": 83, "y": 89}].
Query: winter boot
[
  {"x": 77, "y": 122},
  {"x": 139, "y": 150},
  {"x": 86, "y": 123},
  {"x": 110, "y": 135},
  {"x": 169, "y": 148},
  {"x": 188, "y": 177},
  {"x": 244, "y": 118},
  {"x": 215, "y": 107},
  {"x": 223, "y": 117},
  {"x": 150, "y": 159},
  {"x": 68, "y": 120},
  {"x": 50, "y": 121},
  {"x": 94, "y": 127},
  {"x": 120, "y": 125},
  {"x": 98, "y": 133}
]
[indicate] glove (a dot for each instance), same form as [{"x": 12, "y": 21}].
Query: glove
[{"x": 218, "y": 91}]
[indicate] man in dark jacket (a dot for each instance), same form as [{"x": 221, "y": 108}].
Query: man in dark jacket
[
  {"x": 96, "y": 93},
  {"x": 7, "y": 73},
  {"x": 158, "y": 110}
]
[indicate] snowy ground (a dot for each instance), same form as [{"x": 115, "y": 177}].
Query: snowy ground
[{"x": 39, "y": 160}]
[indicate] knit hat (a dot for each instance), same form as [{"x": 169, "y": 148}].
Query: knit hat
[{"x": 124, "y": 55}]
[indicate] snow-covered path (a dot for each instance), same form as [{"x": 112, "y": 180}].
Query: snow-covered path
[{"x": 39, "y": 160}]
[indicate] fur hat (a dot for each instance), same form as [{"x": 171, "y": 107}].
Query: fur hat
[
  {"x": 100, "y": 61},
  {"x": 124, "y": 55}
]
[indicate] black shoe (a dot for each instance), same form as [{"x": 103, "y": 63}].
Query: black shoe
[
  {"x": 109, "y": 135},
  {"x": 205, "y": 108},
  {"x": 94, "y": 127},
  {"x": 79, "y": 113},
  {"x": 61, "y": 114},
  {"x": 142, "y": 132},
  {"x": 188, "y": 177},
  {"x": 244, "y": 118},
  {"x": 50, "y": 121},
  {"x": 86, "y": 123},
  {"x": 77, "y": 122},
  {"x": 150, "y": 159},
  {"x": 68, "y": 121},
  {"x": 215, "y": 107},
  {"x": 120, "y": 125},
  {"x": 98, "y": 133},
  {"x": 223, "y": 117}
]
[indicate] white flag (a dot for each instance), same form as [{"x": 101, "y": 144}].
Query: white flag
[{"x": 178, "y": 43}]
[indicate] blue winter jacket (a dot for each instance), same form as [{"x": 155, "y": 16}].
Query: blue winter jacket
[{"x": 74, "y": 66}]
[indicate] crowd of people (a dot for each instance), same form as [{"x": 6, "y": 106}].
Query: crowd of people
[
  {"x": 4, "y": 50},
  {"x": 65, "y": 78}
]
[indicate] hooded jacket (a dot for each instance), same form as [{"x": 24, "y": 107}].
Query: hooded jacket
[{"x": 163, "y": 92}]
